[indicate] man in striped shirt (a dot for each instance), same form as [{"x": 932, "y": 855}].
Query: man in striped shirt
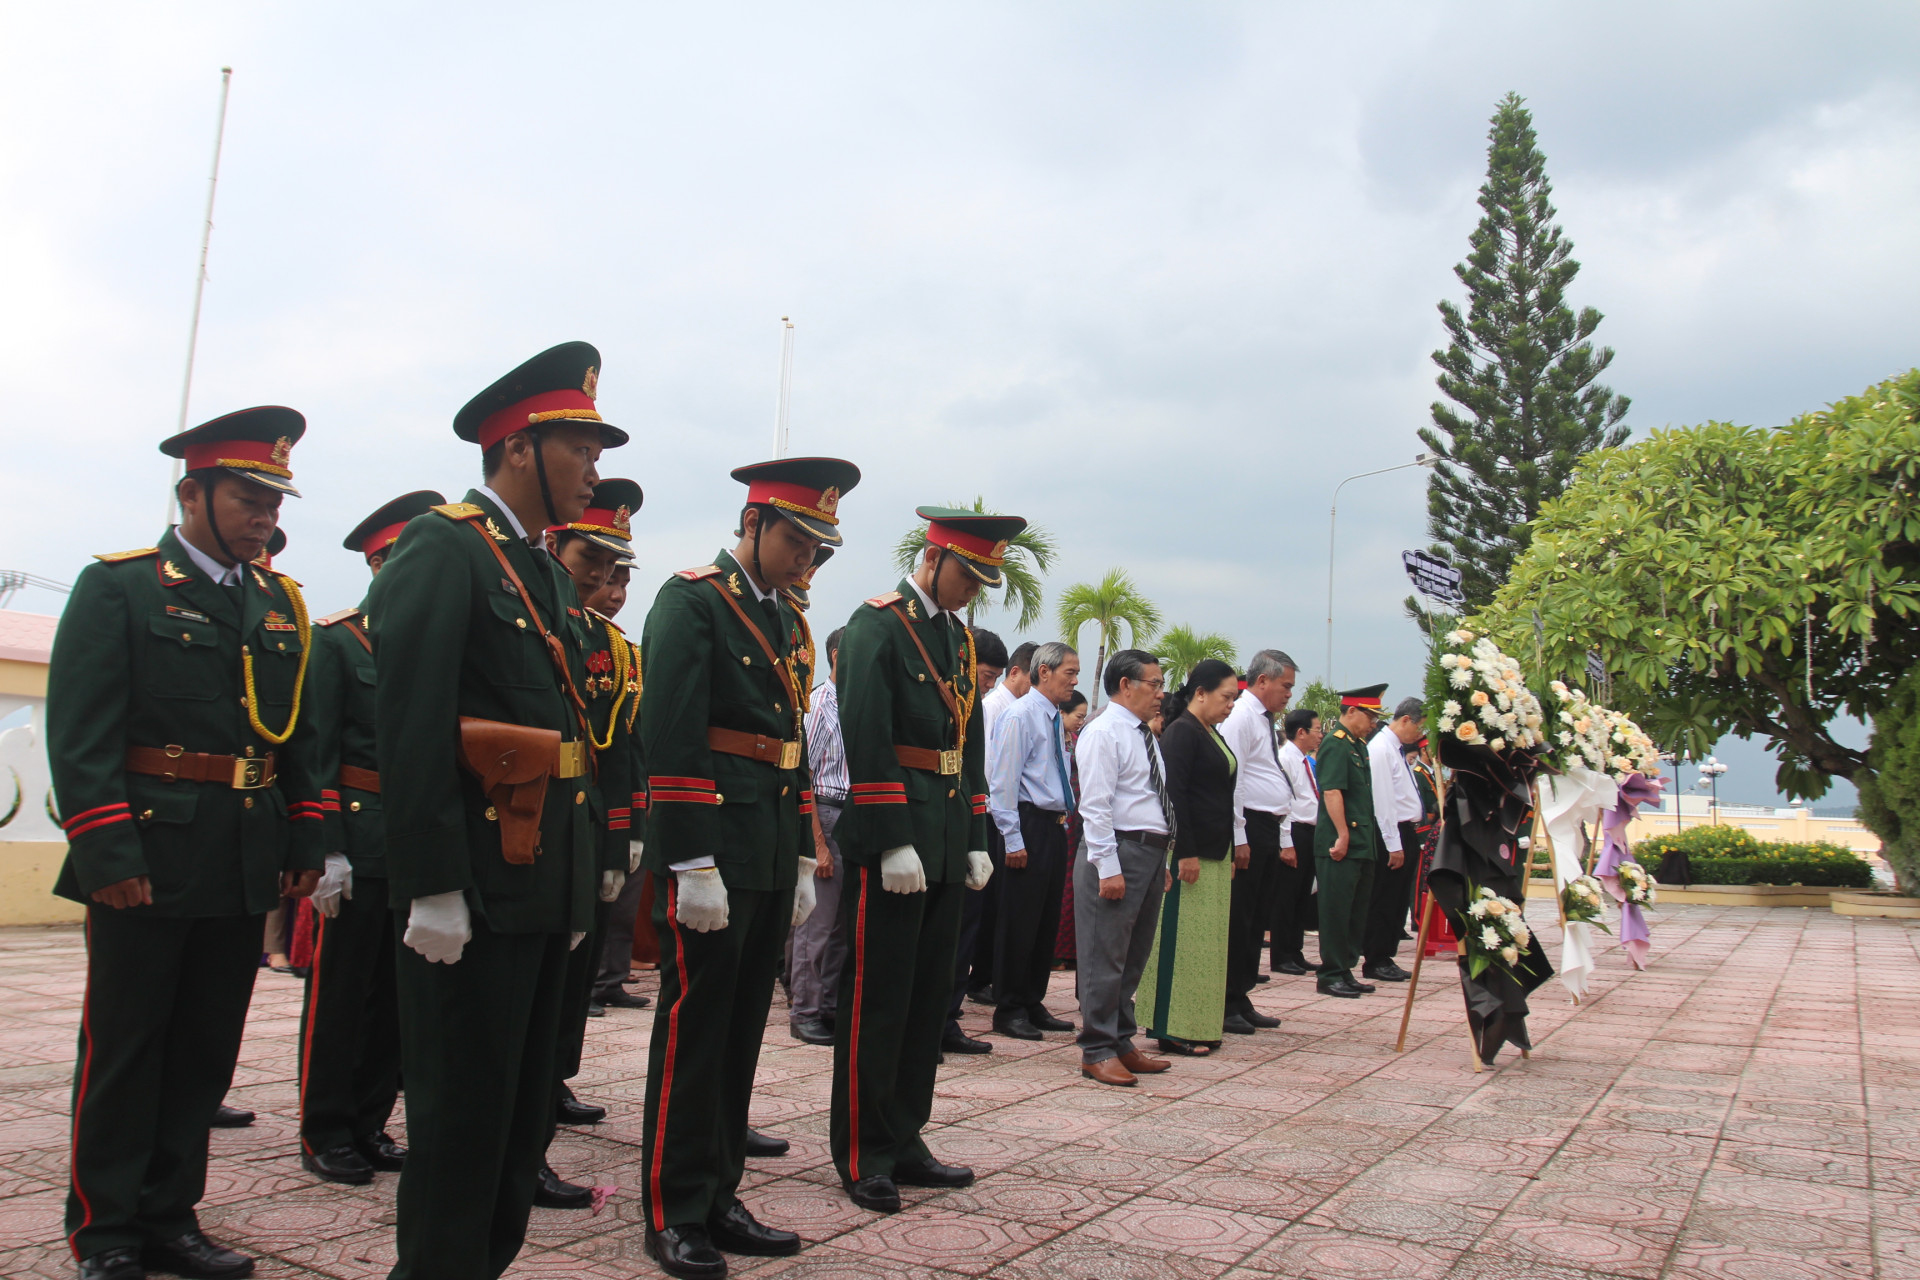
[{"x": 815, "y": 952}]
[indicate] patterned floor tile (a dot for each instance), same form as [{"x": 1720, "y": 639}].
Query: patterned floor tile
[
  {"x": 971, "y": 1244},
  {"x": 1328, "y": 1254},
  {"x": 1187, "y": 1230}
]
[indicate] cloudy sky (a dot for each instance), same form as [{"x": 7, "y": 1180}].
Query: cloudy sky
[{"x": 1156, "y": 276}]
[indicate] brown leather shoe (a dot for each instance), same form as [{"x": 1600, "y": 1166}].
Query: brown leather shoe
[
  {"x": 1107, "y": 1071},
  {"x": 1141, "y": 1064}
]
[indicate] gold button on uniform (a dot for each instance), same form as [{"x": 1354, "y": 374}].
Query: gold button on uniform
[
  {"x": 492, "y": 814},
  {"x": 247, "y": 803},
  {"x": 783, "y": 791},
  {"x": 186, "y": 635},
  {"x": 247, "y": 751},
  {"x": 579, "y": 797},
  {"x": 354, "y": 805},
  {"x": 950, "y": 793},
  {"x": 146, "y": 815},
  {"x": 520, "y": 623},
  {"x": 746, "y": 659},
  {"x": 718, "y": 798}
]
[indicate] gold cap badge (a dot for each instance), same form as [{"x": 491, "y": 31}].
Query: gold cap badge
[
  {"x": 590, "y": 385},
  {"x": 282, "y": 451},
  {"x": 623, "y": 517},
  {"x": 830, "y": 500}
]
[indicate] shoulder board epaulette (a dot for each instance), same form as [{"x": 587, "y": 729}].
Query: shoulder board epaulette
[
  {"x": 115, "y": 557},
  {"x": 695, "y": 575},
  {"x": 881, "y": 602},
  {"x": 460, "y": 510},
  {"x": 332, "y": 618}
]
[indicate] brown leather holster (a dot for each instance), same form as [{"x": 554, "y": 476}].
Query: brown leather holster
[
  {"x": 513, "y": 763},
  {"x": 360, "y": 779}
]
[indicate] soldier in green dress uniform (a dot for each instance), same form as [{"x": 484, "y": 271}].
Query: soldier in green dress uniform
[
  {"x": 729, "y": 836},
  {"x": 1346, "y": 840},
  {"x": 350, "y": 1023},
  {"x": 589, "y": 549},
  {"x": 190, "y": 811},
  {"x": 493, "y": 844},
  {"x": 914, "y": 838}
]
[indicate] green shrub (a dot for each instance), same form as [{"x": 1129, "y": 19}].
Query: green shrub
[
  {"x": 1836, "y": 873},
  {"x": 1698, "y": 842}
]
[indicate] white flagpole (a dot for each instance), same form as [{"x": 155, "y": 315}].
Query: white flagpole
[
  {"x": 200, "y": 281},
  {"x": 786, "y": 388}
]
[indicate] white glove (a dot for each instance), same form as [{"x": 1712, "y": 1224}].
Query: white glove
[
  {"x": 611, "y": 882},
  {"x": 336, "y": 883},
  {"x": 979, "y": 869},
  {"x": 438, "y": 927},
  {"x": 634, "y": 848},
  {"x": 575, "y": 941},
  {"x": 804, "y": 897},
  {"x": 901, "y": 872},
  {"x": 701, "y": 903}
]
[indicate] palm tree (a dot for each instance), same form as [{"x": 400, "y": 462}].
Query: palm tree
[
  {"x": 1029, "y": 555},
  {"x": 1181, "y": 650},
  {"x": 1107, "y": 604}
]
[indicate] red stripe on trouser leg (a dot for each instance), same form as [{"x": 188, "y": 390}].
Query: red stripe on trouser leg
[
  {"x": 313, "y": 1016},
  {"x": 659, "y": 1214},
  {"x": 853, "y": 1030},
  {"x": 80, "y": 1098}
]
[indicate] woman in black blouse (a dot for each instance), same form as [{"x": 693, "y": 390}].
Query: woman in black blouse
[{"x": 1182, "y": 995}]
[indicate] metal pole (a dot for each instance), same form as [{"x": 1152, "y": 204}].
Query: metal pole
[
  {"x": 200, "y": 282},
  {"x": 786, "y": 388},
  {"x": 1333, "y": 515}
]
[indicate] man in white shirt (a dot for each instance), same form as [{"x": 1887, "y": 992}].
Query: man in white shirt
[
  {"x": 1029, "y": 796},
  {"x": 1120, "y": 870},
  {"x": 1261, "y": 797},
  {"x": 1396, "y": 807},
  {"x": 1293, "y": 880},
  {"x": 973, "y": 958}
]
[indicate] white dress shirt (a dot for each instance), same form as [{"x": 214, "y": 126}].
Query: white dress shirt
[
  {"x": 1395, "y": 797},
  {"x": 1259, "y": 782},
  {"x": 1032, "y": 756},
  {"x": 1116, "y": 785},
  {"x": 992, "y": 707},
  {"x": 223, "y": 575},
  {"x": 1306, "y": 797},
  {"x": 519, "y": 530}
]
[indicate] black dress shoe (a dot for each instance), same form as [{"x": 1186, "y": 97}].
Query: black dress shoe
[
  {"x": 1261, "y": 977},
  {"x": 876, "y": 1193},
  {"x": 1366, "y": 988},
  {"x": 1235, "y": 1024},
  {"x": 931, "y": 1173},
  {"x": 1015, "y": 1025},
  {"x": 983, "y": 995},
  {"x": 554, "y": 1192},
  {"x": 961, "y": 1042},
  {"x": 570, "y": 1110},
  {"x": 1044, "y": 1021},
  {"x": 737, "y": 1231},
  {"x": 595, "y": 1009},
  {"x": 1292, "y": 967},
  {"x": 623, "y": 1000},
  {"x": 196, "y": 1257},
  {"x": 810, "y": 1031},
  {"x": 382, "y": 1152},
  {"x": 764, "y": 1146},
  {"x": 226, "y": 1117},
  {"x": 1341, "y": 986},
  {"x": 113, "y": 1264},
  {"x": 1259, "y": 1019},
  {"x": 685, "y": 1251},
  {"x": 340, "y": 1164},
  {"x": 1385, "y": 971}
]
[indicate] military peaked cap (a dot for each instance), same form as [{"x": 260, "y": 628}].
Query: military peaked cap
[
  {"x": 255, "y": 444},
  {"x": 380, "y": 530},
  {"x": 979, "y": 540},
  {"x": 806, "y": 491},
  {"x": 558, "y": 385}
]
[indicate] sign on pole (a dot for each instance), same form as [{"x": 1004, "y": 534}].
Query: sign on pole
[{"x": 1434, "y": 578}]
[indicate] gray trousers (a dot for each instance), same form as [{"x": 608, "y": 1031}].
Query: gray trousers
[
  {"x": 1113, "y": 939},
  {"x": 616, "y": 952},
  {"x": 815, "y": 950}
]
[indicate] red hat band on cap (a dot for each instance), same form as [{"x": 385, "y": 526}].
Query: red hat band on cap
[
  {"x": 616, "y": 522},
  {"x": 271, "y": 457},
  {"x": 1370, "y": 703},
  {"x": 820, "y": 504},
  {"x": 970, "y": 545},
  {"x": 380, "y": 540},
  {"x": 548, "y": 406}
]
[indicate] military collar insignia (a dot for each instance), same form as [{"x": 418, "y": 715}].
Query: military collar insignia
[
  {"x": 733, "y": 583},
  {"x": 171, "y": 574},
  {"x": 913, "y": 609},
  {"x": 494, "y": 529},
  {"x": 260, "y": 580}
]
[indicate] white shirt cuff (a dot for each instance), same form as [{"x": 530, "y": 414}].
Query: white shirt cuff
[
  {"x": 1107, "y": 864},
  {"x": 691, "y": 864}
]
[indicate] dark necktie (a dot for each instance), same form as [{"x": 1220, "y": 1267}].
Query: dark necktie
[{"x": 1159, "y": 783}]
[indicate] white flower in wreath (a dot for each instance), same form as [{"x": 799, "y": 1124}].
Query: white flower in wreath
[
  {"x": 1446, "y": 724},
  {"x": 1451, "y": 708},
  {"x": 1522, "y": 935},
  {"x": 1488, "y": 938},
  {"x": 1460, "y": 678},
  {"x": 1459, "y": 637}
]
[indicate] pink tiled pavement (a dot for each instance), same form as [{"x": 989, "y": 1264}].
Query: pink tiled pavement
[{"x": 1747, "y": 1107}]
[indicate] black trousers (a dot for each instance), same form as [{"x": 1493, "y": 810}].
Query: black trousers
[
  {"x": 350, "y": 1023},
  {"x": 1028, "y": 919},
  {"x": 160, "y": 1030},
  {"x": 715, "y": 989},
  {"x": 894, "y": 989},
  {"x": 1293, "y": 900},
  {"x": 973, "y": 955},
  {"x": 1392, "y": 895},
  {"x": 1250, "y": 907},
  {"x": 477, "y": 1041}
]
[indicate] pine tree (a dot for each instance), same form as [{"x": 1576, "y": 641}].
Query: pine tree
[{"x": 1519, "y": 366}]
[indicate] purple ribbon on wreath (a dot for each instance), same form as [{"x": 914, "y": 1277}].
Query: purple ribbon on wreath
[{"x": 1635, "y": 937}]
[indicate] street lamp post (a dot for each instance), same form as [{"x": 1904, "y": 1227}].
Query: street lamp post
[
  {"x": 1333, "y": 515},
  {"x": 1711, "y": 769}
]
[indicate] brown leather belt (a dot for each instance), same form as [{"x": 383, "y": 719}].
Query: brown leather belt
[
  {"x": 176, "y": 764},
  {"x": 359, "y": 779},
  {"x": 927, "y": 760},
  {"x": 755, "y": 746},
  {"x": 1151, "y": 839}
]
